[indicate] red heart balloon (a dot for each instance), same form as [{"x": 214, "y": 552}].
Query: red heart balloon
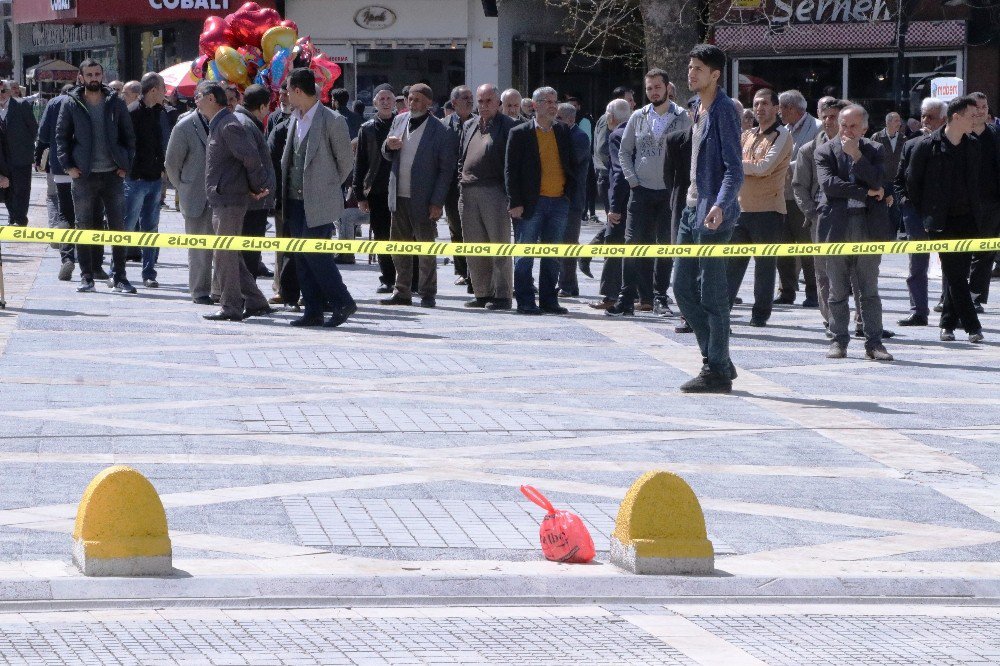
[
  {"x": 289, "y": 23},
  {"x": 327, "y": 72},
  {"x": 215, "y": 33},
  {"x": 250, "y": 22}
]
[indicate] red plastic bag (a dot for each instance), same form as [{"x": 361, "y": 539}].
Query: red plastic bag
[{"x": 563, "y": 535}]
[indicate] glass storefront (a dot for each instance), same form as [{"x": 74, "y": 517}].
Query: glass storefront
[
  {"x": 863, "y": 78},
  {"x": 441, "y": 69}
]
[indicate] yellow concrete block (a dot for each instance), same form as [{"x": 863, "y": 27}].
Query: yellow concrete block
[
  {"x": 660, "y": 528},
  {"x": 121, "y": 527}
]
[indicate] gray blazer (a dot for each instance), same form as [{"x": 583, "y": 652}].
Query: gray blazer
[
  {"x": 892, "y": 157},
  {"x": 805, "y": 184},
  {"x": 433, "y": 166},
  {"x": 329, "y": 162},
  {"x": 185, "y": 163}
]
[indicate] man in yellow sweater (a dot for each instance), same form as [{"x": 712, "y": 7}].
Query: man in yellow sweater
[{"x": 767, "y": 152}]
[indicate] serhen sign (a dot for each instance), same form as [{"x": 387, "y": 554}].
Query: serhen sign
[{"x": 829, "y": 11}]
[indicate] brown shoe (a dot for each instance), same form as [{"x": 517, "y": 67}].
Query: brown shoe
[
  {"x": 601, "y": 305},
  {"x": 645, "y": 307},
  {"x": 276, "y": 300}
]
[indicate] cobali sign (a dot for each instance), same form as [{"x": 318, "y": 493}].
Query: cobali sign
[
  {"x": 62, "y": 5},
  {"x": 189, "y": 4},
  {"x": 374, "y": 17}
]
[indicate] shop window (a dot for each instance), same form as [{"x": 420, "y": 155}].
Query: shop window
[
  {"x": 870, "y": 82},
  {"x": 813, "y": 77}
]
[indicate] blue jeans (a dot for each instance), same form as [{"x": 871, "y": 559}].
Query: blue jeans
[
  {"x": 916, "y": 282},
  {"x": 319, "y": 277},
  {"x": 702, "y": 291},
  {"x": 142, "y": 213},
  {"x": 547, "y": 225}
]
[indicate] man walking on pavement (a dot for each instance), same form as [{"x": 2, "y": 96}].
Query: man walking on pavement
[
  {"x": 423, "y": 154},
  {"x": 643, "y": 151},
  {"x": 185, "y": 167},
  {"x": 945, "y": 186},
  {"x": 802, "y": 128},
  {"x": 371, "y": 180},
  {"x": 712, "y": 209},
  {"x": 566, "y": 114},
  {"x": 462, "y": 100},
  {"x": 767, "y": 153},
  {"x": 145, "y": 179},
  {"x": 316, "y": 164},
  {"x": 483, "y": 199},
  {"x": 538, "y": 174},
  {"x": 235, "y": 172},
  {"x": 18, "y": 129},
  {"x": 96, "y": 145},
  {"x": 932, "y": 118},
  {"x": 853, "y": 209}
]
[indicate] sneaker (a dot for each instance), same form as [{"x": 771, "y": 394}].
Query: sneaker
[
  {"x": 620, "y": 310},
  {"x": 86, "y": 285},
  {"x": 661, "y": 307},
  {"x": 976, "y": 338},
  {"x": 837, "y": 350},
  {"x": 947, "y": 336},
  {"x": 878, "y": 353},
  {"x": 123, "y": 286},
  {"x": 66, "y": 271},
  {"x": 151, "y": 284},
  {"x": 708, "y": 382}
]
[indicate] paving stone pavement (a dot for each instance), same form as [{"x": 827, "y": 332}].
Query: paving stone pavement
[{"x": 288, "y": 460}]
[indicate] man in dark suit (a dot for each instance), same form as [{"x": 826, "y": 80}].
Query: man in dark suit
[
  {"x": 851, "y": 174},
  {"x": 423, "y": 154},
  {"x": 892, "y": 141},
  {"x": 18, "y": 129},
  {"x": 539, "y": 180},
  {"x": 989, "y": 142},
  {"x": 677, "y": 176},
  {"x": 944, "y": 186}
]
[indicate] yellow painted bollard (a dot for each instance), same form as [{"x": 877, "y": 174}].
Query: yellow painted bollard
[
  {"x": 121, "y": 528},
  {"x": 660, "y": 529}
]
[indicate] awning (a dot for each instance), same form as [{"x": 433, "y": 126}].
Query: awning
[
  {"x": 757, "y": 39},
  {"x": 52, "y": 70}
]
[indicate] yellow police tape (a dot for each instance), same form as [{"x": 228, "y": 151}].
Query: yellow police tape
[{"x": 239, "y": 243}]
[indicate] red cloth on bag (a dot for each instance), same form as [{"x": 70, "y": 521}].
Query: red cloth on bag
[{"x": 563, "y": 535}]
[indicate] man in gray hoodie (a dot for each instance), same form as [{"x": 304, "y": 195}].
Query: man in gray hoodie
[
  {"x": 642, "y": 153},
  {"x": 236, "y": 171}
]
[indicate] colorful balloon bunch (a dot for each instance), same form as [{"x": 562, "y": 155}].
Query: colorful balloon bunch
[{"x": 253, "y": 44}]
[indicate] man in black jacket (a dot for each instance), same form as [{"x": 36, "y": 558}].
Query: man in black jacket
[
  {"x": 943, "y": 184},
  {"x": 989, "y": 176},
  {"x": 96, "y": 146},
  {"x": 144, "y": 183},
  {"x": 252, "y": 113},
  {"x": 17, "y": 133},
  {"x": 537, "y": 173},
  {"x": 371, "y": 179},
  {"x": 619, "y": 192}
]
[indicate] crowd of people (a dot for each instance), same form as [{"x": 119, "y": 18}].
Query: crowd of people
[{"x": 498, "y": 165}]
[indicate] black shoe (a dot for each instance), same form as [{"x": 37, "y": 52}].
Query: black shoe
[
  {"x": 620, "y": 309},
  {"x": 306, "y": 321},
  {"x": 224, "y": 315},
  {"x": 584, "y": 265},
  {"x": 202, "y": 300},
  {"x": 123, "y": 286},
  {"x": 341, "y": 315},
  {"x": 150, "y": 284},
  {"x": 564, "y": 293},
  {"x": 86, "y": 285},
  {"x": 396, "y": 299},
  {"x": 101, "y": 274},
  {"x": 215, "y": 298},
  {"x": 758, "y": 323},
  {"x": 859, "y": 331},
  {"x": 258, "y": 312},
  {"x": 529, "y": 310},
  {"x": 939, "y": 307},
  {"x": 264, "y": 272},
  {"x": 345, "y": 259},
  {"x": 810, "y": 303},
  {"x": 737, "y": 301},
  {"x": 66, "y": 271},
  {"x": 784, "y": 300},
  {"x": 886, "y": 334},
  {"x": 661, "y": 308},
  {"x": 554, "y": 309},
  {"x": 980, "y": 309},
  {"x": 384, "y": 289},
  {"x": 500, "y": 304},
  {"x": 913, "y": 320},
  {"x": 684, "y": 327},
  {"x": 708, "y": 382},
  {"x": 428, "y": 302},
  {"x": 477, "y": 303}
]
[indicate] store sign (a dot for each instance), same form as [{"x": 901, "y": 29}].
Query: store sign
[
  {"x": 69, "y": 36},
  {"x": 830, "y": 11},
  {"x": 947, "y": 88},
  {"x": 62, "y": 5},
  {"x": 374, "y": 17},
  {"x": 216, "y": 5}
]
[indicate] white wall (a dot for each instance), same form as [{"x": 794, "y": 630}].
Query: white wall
[
  {"x": 333, "y": 20},
  {"x": 483, "y": 49}
]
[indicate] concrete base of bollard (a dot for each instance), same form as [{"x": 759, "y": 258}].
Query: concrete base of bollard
[
  {"x": 626, "y": 557},
  {"x": 156, "y": 565}
]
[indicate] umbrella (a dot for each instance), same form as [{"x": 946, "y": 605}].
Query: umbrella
[{"x": 180, "y": 79}]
